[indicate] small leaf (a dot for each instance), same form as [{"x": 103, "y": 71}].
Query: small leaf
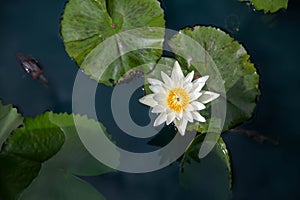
[
  {"x": 270, "y": 5},
  {"x": 10, "y": 120},
  {"x": 231, "y": 61},
  {"x": 211, "y": 175},
  {"x": 101, "y": 35}
]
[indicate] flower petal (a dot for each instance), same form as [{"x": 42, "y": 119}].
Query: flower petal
[
  {"x": 179, "y": 115},
  {"x": 177, "y": 73},
  {"x": 160, "y": 97},
  {"x": 199, "y": 83},
  {"x": 187, "y": 87},
  {"x": 170, "y": 117},
  {"x": 153, "y": 81},
  {"x": 197, "y": 87},
  {"x": 188, "y": 116},
  {"x": 197, "y": 105},
  {"x": 189, "y": 77},
  {"x": 181, "y": 126},
  {"x": 148, "y": 100},
  {"x": 196, "y": 115},
  {"x": 167, "y": 80},
  {"x": 157, "y": 89},
  {"x": 208, "y": 96},
  {"x": 158, "y": 109},
  {"x": 194, "y": 96},
  {"x": 160, "y": 119},
  {"x": 202, "y": 79},
  {"x": 190, "y": 108}
]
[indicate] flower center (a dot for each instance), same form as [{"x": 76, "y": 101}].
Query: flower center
[{"x": 178, "y": 99}]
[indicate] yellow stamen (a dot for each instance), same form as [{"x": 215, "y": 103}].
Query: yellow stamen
[{"x": 178, "y": 99}]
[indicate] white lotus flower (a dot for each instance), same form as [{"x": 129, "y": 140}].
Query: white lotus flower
[{"x": 177, "y": 99}]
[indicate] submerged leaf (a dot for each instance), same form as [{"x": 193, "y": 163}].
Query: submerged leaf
[{"x": 108, "y": 38}]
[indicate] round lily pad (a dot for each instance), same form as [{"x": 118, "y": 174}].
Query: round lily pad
[
  {"x": 232, "y": 62},
  {"x": 109, "y": 38}
]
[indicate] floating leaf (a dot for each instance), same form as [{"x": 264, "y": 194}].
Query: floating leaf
[
  {"x": 57, "y": 184},
  {"x": 16, "y": 174},
  {"x": 211, "y": 176},
  {"x": 23, "y": 153},
  {"x": 74, "y": 154},
  {"x": 57, "y": 179},
  {"x": 38, "y": 140},
  {"x": 210, "y": 51},
  {"x": 41, "y": 160},
  {"x": 10, "y": 120},
  {"x": 109, "y": 38},
  {"x": 269, "y": 5},
  {"x": 164, "y": 64}
]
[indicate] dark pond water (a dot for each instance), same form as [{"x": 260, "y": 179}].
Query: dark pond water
[{"x": 260, "y": 170}]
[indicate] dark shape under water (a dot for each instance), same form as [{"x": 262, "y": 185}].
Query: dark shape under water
[{"x": 31, "y": 66}]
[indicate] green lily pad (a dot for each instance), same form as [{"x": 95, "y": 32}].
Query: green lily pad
[
  {"x": 56, "y": 184},
  {"x": 16, "y": 174},
  {"x": 58, "y": 178},
  {"x": 10, "y": 120},
  {"x": 109, "y": 38},
  {"x": 74, "y": 156},
  {"x": 43, "y": 138},
  {"x": 210, "y": 175},
  {"x": 270, "y": 5},
  {"x": 224, "y": 56},
  {"x": 164, "y": 64},
  {"x": 23, "y": 153},
  {"x": 41, "y": 160}
]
